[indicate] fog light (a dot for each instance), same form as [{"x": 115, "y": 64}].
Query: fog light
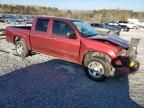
[{"x": 132, "y": 63}]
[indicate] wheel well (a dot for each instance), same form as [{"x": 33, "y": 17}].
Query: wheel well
[
  {"x": 96, "y": 54},
  {"x": 17, "y": 38},
  {"x": 99, "y": 55}
]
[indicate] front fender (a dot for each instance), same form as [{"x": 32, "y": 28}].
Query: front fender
[{"x": 109, "y": 56}]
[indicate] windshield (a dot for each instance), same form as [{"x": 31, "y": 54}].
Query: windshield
[{"x": 84, "y": 28}]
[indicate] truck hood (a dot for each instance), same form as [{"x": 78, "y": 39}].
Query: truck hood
[{"x": 112, "y": 39}]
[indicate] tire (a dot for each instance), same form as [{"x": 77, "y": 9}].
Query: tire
[
  {"x": 21, "y": 48},
  {"x": 135, "y": 27},
  {"x": 123, "y": 29},
  {"x": 96, "y": 74},
  {"x": 126, "y": 29}
]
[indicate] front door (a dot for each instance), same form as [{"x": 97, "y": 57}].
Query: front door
[{"x": 63, "y": 46}]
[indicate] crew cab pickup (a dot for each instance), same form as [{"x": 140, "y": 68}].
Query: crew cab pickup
[{"x": 75, "y": 41}]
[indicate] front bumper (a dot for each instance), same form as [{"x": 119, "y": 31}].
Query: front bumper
[{"x": 124, "y": 61}]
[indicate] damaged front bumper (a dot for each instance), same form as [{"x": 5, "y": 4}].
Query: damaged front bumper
[
  {"x": 125, "y": 61},
  {"x": 130, "y": 60}
]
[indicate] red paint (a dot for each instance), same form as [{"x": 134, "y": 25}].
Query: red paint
[{"x": 68, "y": 49}]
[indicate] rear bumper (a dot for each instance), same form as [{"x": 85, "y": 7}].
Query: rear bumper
[{"x": 124, "y": 61}]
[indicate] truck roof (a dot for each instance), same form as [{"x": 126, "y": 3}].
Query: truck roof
[{"x": 54, "y": 17}]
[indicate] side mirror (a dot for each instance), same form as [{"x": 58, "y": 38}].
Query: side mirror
[{"x": 71, "y": 35}]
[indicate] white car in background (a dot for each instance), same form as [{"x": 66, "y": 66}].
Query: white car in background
[
  {"x": 129, "y": 24},
  {"x": 140, "y": 23}
]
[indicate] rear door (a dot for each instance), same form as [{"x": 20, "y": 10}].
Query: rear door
[
  {"x": 39, "y": 36},
  {"x": 63, "y": 46}
]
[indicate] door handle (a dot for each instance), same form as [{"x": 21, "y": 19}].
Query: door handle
[{"x": 52, "y": 38}]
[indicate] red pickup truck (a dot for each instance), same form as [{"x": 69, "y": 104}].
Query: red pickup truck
[{"x": 75, "y": 41}]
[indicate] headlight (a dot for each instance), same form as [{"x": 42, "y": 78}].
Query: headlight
[{"x": 122, "y": 52}]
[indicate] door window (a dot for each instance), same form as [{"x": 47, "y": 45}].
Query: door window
[
  {"x": 61, "y": 28},
  {"x": 42, "y": 25}
]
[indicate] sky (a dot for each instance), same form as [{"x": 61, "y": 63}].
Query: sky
[{"x": 135, "y": 5}]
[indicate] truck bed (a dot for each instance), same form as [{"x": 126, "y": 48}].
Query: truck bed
[{"x": 13, "y": 31}]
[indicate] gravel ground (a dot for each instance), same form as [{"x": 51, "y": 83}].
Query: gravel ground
[{"x": 40, "y": 81}]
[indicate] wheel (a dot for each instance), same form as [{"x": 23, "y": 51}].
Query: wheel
[
  {"x": 97, "y": 69},
  {"x": 135, "y": 27},
  {"x": 122, "y": 29},
  {"x": 126, "y": 29},
  {"x": 21, "y": 48}
]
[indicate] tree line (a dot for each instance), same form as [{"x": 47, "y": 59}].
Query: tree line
[{"x": 89, "y": 15}]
